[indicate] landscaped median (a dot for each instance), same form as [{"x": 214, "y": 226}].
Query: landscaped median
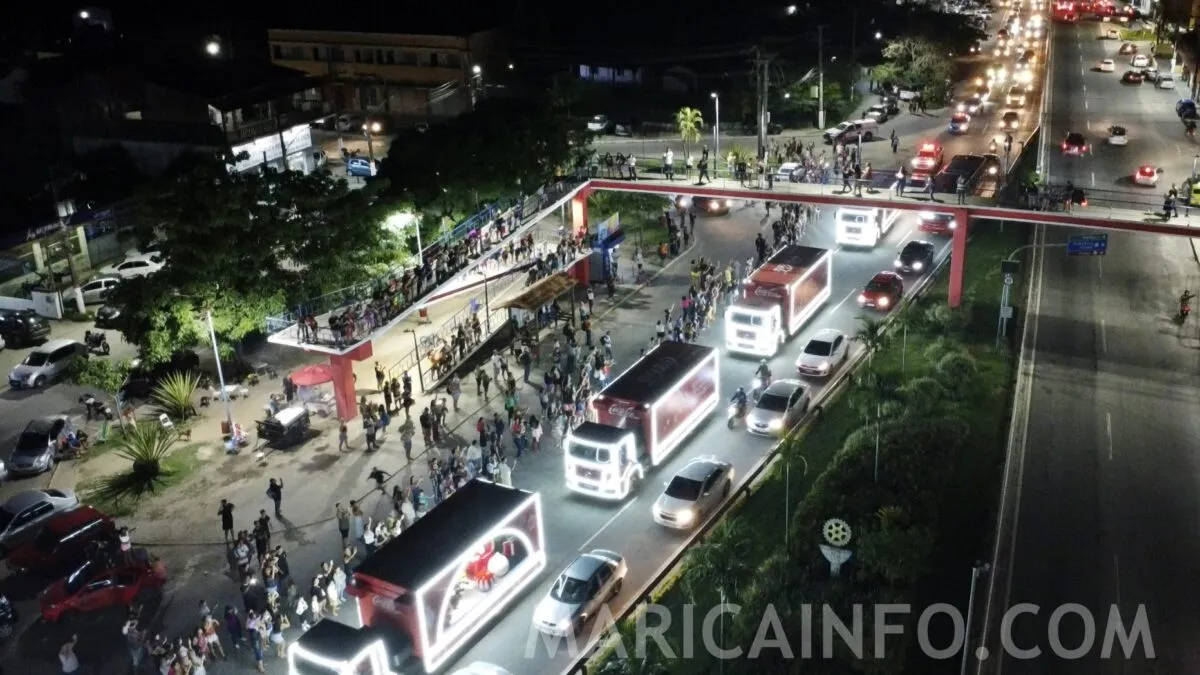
[{"x": 900, "y": 469}]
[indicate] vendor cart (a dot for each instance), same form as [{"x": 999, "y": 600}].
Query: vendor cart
[{"x": 285, "y": 428}]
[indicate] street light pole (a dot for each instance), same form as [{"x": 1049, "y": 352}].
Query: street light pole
[
  {"x": 717, "y": 135},
  {"x": 821, "y": 78},
  {"x": 212, "y": 334},
  {"x": 977, "y": 571},
  {"x": 417, "y": 353}
]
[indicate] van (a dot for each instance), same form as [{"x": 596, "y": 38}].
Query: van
[
  {"x": 851, "y": 132},
  {"x": 46, "y": 363}
]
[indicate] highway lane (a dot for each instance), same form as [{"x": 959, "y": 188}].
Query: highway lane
[
  {"x": 1109, "y": 495},
  {"x": 1088, "y": 101},
  {"x": 576, "y": 524}
]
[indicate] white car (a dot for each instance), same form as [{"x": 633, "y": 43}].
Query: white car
[
  {"x": 349, "y": 123},
  {"x": 692, "y": 494},
  {"x": 132, "y": 268},
  {"x": 785, "y": 171},
  {"x": 94, "y": 292},
  {"x": 1108, "y": 66},
  {"x": 23, "y": 510},
  {"x": 824, "y": 352},
  {"x": 588, "y": 583},
  {"x": 599, "y": 124},
  {"x": 1146, "y": 175},
  {"x": 780, "y": 407},
  {"x": 1140, "y": 61},
  {"x": 1166, "y": 82},
  {"x": 1117, "y": 136}
]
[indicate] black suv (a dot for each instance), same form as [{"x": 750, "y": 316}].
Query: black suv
[{"x": 23, "y": 327}]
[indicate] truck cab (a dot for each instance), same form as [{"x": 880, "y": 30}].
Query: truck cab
[
  {"x": 754, "y": 326},
  {"x": 603, "y": 461},
  {"x": 863, "y": 227}
]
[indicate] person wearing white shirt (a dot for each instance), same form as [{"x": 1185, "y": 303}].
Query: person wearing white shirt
[
  {"x": 504, "y": 474},
  {"x": 669, "y": 164},
  {"x": 631, "y": 163},
  {"x": 67, "y": 657}
]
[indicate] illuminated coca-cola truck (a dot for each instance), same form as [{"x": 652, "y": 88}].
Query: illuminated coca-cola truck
[
  {"x": 777, "y": 299},
  {"x": 641, "y": 417},
  {"x": 425, "y": 594}
]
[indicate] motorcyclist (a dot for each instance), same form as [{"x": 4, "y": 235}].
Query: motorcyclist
[
  {"x": 740, "y": 398},
  {"x": 1184, "y": 299},
  {"x": 763, "y": 372}
]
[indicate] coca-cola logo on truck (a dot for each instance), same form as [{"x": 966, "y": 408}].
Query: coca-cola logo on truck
[
  {"x": 622, "y": 410},
  {"x": 768, "y": 292}
]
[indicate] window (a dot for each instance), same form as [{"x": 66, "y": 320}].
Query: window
[
  {"x": 295, "y": 53},
  {"x": 316, "y": 54},
  {"x": 337, "y": 54},
  {"x": 277, "y": 51},
  {"x": 407, "y": 58},
  {"x": 452, "y": 60},
  {"x": 378, "y": 56},
  {"x": 433, "y": 59},
  {"x": 389, "y": 57},
  {"x": 367, "y": 55}
]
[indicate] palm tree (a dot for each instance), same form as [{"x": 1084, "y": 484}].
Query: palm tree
[
  {"x": 877, "y": 391},
  {"x": 719, "y": 563},
  {"x": 891, "y": 516},
  {"x": 872, "y": 335},
  {"x": 690, "y": 122},
  {"x": 147, "y": 447},
  {"x": 174, "y": 395}
]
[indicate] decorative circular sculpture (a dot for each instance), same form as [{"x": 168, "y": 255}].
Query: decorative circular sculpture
[{"x": 837, "y": 532}]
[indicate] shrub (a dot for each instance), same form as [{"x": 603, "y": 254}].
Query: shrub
[
  {"x": 957, "y": 371},
  {"x": 175, "y": 393}
]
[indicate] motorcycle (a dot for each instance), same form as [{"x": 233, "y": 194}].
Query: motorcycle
[
  {"x": 758, "y": 386},
  {"x": 96, "y": 408},
  {"x": 96, "y": 343},
  {"x": 8, "y": 618},
  {"x": 737, "y": 411}
]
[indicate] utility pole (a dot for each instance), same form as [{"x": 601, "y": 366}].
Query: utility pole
[
  {"x": 821, "y": 78},
  {"x": 761, "y": 64}
]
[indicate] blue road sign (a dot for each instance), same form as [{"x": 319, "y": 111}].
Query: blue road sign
[{"x": 1087, "y": 244}]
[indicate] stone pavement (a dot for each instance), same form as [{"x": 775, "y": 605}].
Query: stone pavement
[{"x": 182, "y": 527}]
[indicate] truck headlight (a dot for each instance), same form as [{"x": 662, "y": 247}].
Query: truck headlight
[{"x": 953, "y": 225}]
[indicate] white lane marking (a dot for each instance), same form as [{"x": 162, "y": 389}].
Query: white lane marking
[
  {"x": 1117, "y": 577},
  {"x": 608, "y": 522},
  {"x": 1081, "y": 70},
  {"x": 1108, "y": 431},
  {"x": 1093, "y": 179},
  {"x": 1085, "y": 88},
  {"x": 848, "y": 296},
  {"x": 1089, "y": 125},
  {"x": 1085, "y": 104},
  {"x": 1103, "y": 336},
  {"x": 1100, "y": 263}
]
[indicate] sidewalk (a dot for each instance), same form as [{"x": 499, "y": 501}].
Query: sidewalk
[{"x": 182, "y": 526}]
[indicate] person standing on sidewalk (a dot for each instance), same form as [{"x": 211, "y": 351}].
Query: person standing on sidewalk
[
  {"x": 454, "y": 388},
  {"x": 380, "y": 376},
  {"x": 406, "y": 438},
  {"x": 343, "y": 438},
  {"x": 343, "y": 522},
  {"x": 275, "y": 493},
  {"x": 426, "y": 421},
  {"x": 67, "y": 657},
  {"x": 895, "y": 142},
  {"x": 369, "y": 432},
  {"x": 226, "y": 513},
  {"x": 526, "y": 366}
]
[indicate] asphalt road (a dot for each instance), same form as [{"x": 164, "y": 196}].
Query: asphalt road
[
  {"x": 1088, "y": 101},
  {"x": 578, "y": 524},
  {"x": 1107, "y": 499}
]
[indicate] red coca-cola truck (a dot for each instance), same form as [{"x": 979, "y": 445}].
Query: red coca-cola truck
[
  {"x": 778, "y": 298},
  {"x": 641, "y": 417}
]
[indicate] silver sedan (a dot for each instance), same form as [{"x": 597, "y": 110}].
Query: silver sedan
[{"x": 779, "y": 408}]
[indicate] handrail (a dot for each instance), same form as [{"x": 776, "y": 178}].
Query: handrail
[{"x": 753, "y": 477}]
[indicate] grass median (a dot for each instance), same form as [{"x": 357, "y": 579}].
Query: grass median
[{"x": 932, "y": 403}]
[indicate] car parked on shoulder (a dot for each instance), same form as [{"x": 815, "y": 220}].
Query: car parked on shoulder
[
  {"x": 20, "y": 513},
  {"x": 23, "y": 327},
  {"x": 577, "y": 594},
  {"x": 1146, "y": 176},
  {"x": 94, "y": 292},
  {"x": 38, "y": 445},
  {"x": 133, "y": 268},
  {"x": 1132, "y": 77},
  {"x": 61, "y": 543},
  {"x": 696, "y": 491},
  {"x": 46, "y": 363}
]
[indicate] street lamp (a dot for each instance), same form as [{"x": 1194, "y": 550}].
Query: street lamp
[
  {"x": 511, "y": 66},
  {"x": 369, "y": 129},
  {"x": 475, "y": 69},
  {"x": 878, "y": 35},
  {"x": 978, "y": 570},
  {"x": 213, "y": 47},
  {"x": 401, "y": 221},
  {"x": 821, "y": 78},
  {"x": 212, "y": 335},
  {"x": 791, "y": 10},
  {"x": 717, "y": 134},
  {"x": 84, "y": 14}
]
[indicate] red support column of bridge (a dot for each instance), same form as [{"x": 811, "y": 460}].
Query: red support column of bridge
[
  {"x": 343, "y": 380},
  {"x": 579, "y": 226},
  {"x": 958, "y": 257}
]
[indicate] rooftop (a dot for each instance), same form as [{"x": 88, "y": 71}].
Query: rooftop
[
  {"x": 404, "y": 17},
  {"x": 653, "y": 375},
  {"x": 438, "y": 538}
]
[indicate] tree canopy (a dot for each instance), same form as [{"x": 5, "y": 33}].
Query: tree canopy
[
  {"x": 916, "y": 64},
  {"x": 504, "y": 147},
  {"x": 244, "y": 246}
]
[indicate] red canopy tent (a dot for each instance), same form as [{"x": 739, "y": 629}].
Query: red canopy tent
[{"x": 312, "y": 376}]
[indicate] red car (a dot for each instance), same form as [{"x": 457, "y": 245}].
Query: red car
[
  {"x": 928, "y": 159},
  {"x": 62, "y": 543},
  {"x": 937, "y": 223},
  {"x": 883, "y": 292},
  {"x": 94, "y": 586}
]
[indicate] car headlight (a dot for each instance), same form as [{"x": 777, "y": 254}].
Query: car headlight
[
  {"x": 685, "y": 517},
  {"x": 775, "y": 425},
  {"x": 823, "y": 367},
  {"x": 862, "y": 298},
  {"x": 884, "y": 301},
  {"x": 896, "y": 263},
  {"x": 565, "y": 624},
  {"x": 42, "y": 460},
  {"x": 918, "y": 266}
]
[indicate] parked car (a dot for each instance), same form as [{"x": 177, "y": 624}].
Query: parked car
[
  {"x": 877, "y": 112},
  {"x": 693, "y": 493},
  {"x": 23, "y": 327},
  {"x": 1166, "y": 81},
  {"x": 46, "y": 363},
  {"x": 588, "y": 583},
  {"x": 107, "y": 315},
  {"x": 825, "y": 351},
  {"x": 94, "y": 292},
  {"x": 132, "y": 268},
  {"x": 778, "y": 408},
  {"x": 22, "y": 511},
  {"x": 61, "y": 543},
  {"x": 1140, "y": 61},
  {"x": 599, "y": 124},
  {"x": 37, "y": 446},
  {"x": 93, "y": 586}
]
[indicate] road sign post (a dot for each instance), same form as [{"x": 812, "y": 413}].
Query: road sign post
[{"x": 1008, "y": 275}]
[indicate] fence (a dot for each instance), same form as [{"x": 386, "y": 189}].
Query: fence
[{"x": 525, "y": 207}]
